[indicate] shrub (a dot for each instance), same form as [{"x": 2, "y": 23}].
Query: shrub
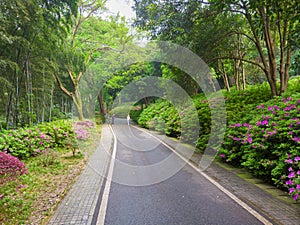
[
  {"x": 263, "y": 139},
  {"x": 292, "y": 179},
  {"x": 10, "y": 168},
  {"x": 82, "y": 129},
  {"x": 31, "y": 141}
]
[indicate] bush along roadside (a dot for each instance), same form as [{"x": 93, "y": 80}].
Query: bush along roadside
[
  {"x": 262, "y": 133},
  {"x": 37, "y": 166},
  {"x": 265, "y": 139}
]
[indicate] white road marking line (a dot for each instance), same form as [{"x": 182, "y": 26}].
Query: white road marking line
[
  {"x": 104, "y": 201},
  {"x": 228, "y": 193}
]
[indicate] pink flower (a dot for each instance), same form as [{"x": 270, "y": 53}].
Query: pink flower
[
  {"x": 222, "y": 155},
  {"x": 261, "y": 106},
  {"x": 296, "y": 197},
  {"x": 289, "y": 182},
  {"x": 297, "y": 158},
  {"x": 296, "y": 139},
  {"x": 292, "y": 190},
  {"x": 291, "y": 175},
  {"x": 298, "y": 186}
]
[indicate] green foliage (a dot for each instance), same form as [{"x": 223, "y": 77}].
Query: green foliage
[
  {"x": 31, "y": 141},
  {"x": 263, "y": 133},
  {"x": 161, "y": 116},
  {"x": 264, "y": 138}
]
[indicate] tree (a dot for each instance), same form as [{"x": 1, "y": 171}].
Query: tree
[
  {"x": 273, "y": 26},
  {"x": 30, "y": 31}
]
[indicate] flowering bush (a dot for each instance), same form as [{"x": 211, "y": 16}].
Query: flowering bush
[
  {"x": 82, "y": 129},
  {"x": 261, "y": 142},
  {"x": 10, "y": 167},
  {"x": 292, "y": 180},
  {"x": 31, "y": 141}
]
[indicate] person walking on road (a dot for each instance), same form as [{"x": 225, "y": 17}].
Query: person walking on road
[{"x": 128, "y": 119}]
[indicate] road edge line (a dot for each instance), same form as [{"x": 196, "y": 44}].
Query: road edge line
[
  {"x": 248, "y": 208},
  {"x": 105, "y": 196}
]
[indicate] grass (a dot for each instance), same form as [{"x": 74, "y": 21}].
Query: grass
[{"x": 33, "y": 198}]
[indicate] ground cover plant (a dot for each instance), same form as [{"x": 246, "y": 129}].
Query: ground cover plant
[
  {"x": 262, "y": 135},
  {"x": 38, "y": 165}
]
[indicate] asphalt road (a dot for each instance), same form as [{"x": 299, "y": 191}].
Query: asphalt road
[{"x": 144, "y": 191}]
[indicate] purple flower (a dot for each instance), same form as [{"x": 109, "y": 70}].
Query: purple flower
[
  {"x": 296, "y": 139},
  {"x": 222, "y": 155},
  {"x": 290, "y": 169},
  {"x": 298, "y": 172},
  {"x": 237, "y": 125},
  {"x": 287, "y": 109},
  {"x": 298, "y": 101},
  {"x": 298, "y": 186},
  {"x": 297, "y": 158},
  {"x": 289, "y": 182},
  {"x": 291, "y": 175},
  {"x": 250, "y": 140},
  {"x": 296, "y": 197},
  {"x": 261, "y": 106},
  {"x": 289, "y": 161},
  {"x": 270, "y": 108},
  {"x": 292, "y": 190}
]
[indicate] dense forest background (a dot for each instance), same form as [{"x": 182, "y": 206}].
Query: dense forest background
[{"x": 47, "y": 47}]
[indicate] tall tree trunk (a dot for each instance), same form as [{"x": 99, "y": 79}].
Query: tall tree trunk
[
  {"x": 243, "y": 75},
  {"x": 51, "y": 102},
  {"x": 285, "y": 56},
  {"x": 78, "y": 104},
  {"x": 28, "y": 91},
  {"x": 284, "y": 81},
  {"x": 237, "y": 74},
  {"x": 272, "y": 71},
  {"x": 9, "y": 109},
  {"x": 224, "y": 75},
  {"x": 101, "y": 103}
]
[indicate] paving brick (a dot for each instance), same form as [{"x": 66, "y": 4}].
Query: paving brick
[{"x": 79, "y": 204}]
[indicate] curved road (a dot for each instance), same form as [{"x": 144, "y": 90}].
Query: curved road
[{"x": 185, "y": 197}]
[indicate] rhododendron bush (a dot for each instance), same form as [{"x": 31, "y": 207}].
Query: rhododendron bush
[
  {"x": 267, "y": 140},
  {"x": 10, "y": 168}
]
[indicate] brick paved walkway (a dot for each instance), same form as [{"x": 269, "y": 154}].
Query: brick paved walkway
[{"x": 79, "y": 204}]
